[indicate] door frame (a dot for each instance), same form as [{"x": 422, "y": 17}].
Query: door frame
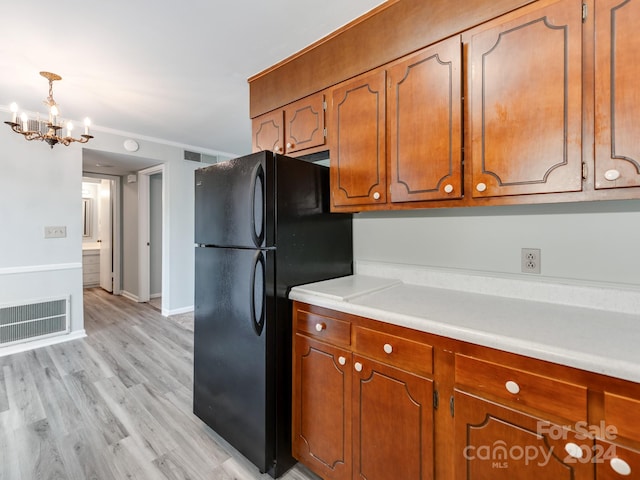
[
  {"x": 144, "y": 220},
  {"x": 116, "y": 227}
]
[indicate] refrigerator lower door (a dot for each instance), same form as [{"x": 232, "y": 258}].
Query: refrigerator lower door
[{"x": 233, "y": 366}]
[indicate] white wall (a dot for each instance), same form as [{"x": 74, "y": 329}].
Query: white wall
[
  {"x": 39, "y": 187},
  {"x": 586, "y": 242}
]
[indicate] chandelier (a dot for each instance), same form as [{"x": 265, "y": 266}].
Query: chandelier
[{"x": 49, "y": 131}]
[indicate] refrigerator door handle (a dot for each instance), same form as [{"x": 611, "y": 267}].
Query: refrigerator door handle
[
  {"x": 257, "y": 217},
  {"x": 257, "y": 292}
]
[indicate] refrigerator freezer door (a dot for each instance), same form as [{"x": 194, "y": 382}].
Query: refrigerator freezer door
[
  {"x": 232, "y": 388},
  {"x": 234, "y": 203}
]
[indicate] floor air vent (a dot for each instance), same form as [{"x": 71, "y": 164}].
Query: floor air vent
[{"x": 29, "y": 321}]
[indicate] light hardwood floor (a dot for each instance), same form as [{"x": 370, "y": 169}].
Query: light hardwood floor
[{"x": 115, "y": 405}]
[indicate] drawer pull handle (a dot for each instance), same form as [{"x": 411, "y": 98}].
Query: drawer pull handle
[
  {"x": 448, "y": 188},
  {"x": 358, "y": 366},
  {"x": 376, "y": 195},
  {"x": 620, "y": 466},
  {"x": 573, "y": 450},
  {"x": 481, "y": 187},
  {"x": 320, "y": 327},
  {"x": 342, "y": 360},
  {"x": 512, "y": 387},
  {"x": 388, "y": 349}
]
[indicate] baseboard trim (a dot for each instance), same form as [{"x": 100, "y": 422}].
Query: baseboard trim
[
  {"x": 177, "y": 311},
  {"x": 130, "y": 296}
]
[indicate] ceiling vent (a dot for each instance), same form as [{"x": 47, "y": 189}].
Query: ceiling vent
[{"x": 200, "y": 157}]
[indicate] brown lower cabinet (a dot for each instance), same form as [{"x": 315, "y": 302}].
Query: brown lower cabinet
[
  {"x": 392, "y": 422},
  {"x": 496, "y": 442},
  {"x": 357, "y": 417},
  {"x": 322, "y": 413},
  {"x": 614, "y": 462},
  {"x": 374, "y": 401}
]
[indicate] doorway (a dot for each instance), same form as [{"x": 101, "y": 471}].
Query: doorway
[
  {"x": 150, "y": 237},
  {"x": 101, "y": 245}
]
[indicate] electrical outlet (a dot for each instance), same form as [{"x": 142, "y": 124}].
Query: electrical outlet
[
  {"x": 55, "y": 232},
  {"x": 530, "y": 260}
]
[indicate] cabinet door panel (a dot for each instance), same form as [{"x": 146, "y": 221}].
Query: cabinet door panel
[
  {"x": 526, "y": 111},
  {"x": 357, "y": 140},
  {"x": 393, "y": 423},
  {"x": 268, "y": 132},
  {"x": 617, "y": 68},
  {"x": 614, "y": 462},
  {"x": 305, "y": 123},
  {"x": 322, "y": 408},
  {"x": 498, "y": 443},
  {"x": 424, "y": 108}
]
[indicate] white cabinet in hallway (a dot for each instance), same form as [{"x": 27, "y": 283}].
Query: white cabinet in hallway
[{"x": 90, "y": 267}]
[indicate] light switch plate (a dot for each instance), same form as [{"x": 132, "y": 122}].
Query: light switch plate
[{"x": 55, "y": 232}]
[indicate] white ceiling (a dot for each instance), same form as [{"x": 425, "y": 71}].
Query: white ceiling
[{"x": 173, "y": 70}]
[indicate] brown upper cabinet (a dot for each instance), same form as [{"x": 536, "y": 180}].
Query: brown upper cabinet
[
  {"x": 424, "y": 117},
  {"x": 617, "y": 89},
  {"x": 414, "y": 105},
  {"x": 357, "y": 142},
  {"x": 538, "y": 105},
  {"x": 297, "y": 127},
  {"x": 525, "y": 102}
]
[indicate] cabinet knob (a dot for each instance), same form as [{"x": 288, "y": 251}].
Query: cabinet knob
[
  {"x": 620, "y": 466},
  {"x": 320, "y": 327},
  {"x": 388, "y": 348},
  {"x": 289, "y": 146},
  {"x": 357, "y": 366},
  {"x": 612, "y": 175},
  {"x": 448, "y": 188},
  {"x": 573, "y": 450},
  {"x": 342, "y": 360},
  {"x": 277, "y": 149},
  {"x": 512, "y": 387},
  {"x": 376, "y": 195},
  {"x": 481, "y": 187}
]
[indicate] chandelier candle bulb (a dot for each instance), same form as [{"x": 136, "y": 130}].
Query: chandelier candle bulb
[
  {"x": 14, "y": 112},
  {"x": 54, "y": 114},
  {"x": 69, "y": 128},
  {"x": 25, "y": 122},
  {"x": 87, "y": 123}
]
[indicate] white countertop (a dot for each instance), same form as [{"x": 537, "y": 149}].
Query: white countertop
[{"x": 600, "y": 341}]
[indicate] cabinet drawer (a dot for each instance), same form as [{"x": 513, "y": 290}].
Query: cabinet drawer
[
  {"x": 90, "y": 279},
  {"x": 329, "y": 329},
  {"x": 623, "y": 413},
  {"x": 90, "y": 259},
  {"x": 91, "y": 268},
  {"x": 519, "y": 387},
  {"x": 401, "y": 352}
]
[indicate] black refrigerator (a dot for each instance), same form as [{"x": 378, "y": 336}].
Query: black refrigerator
[{"x": 262, "y": 225}]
